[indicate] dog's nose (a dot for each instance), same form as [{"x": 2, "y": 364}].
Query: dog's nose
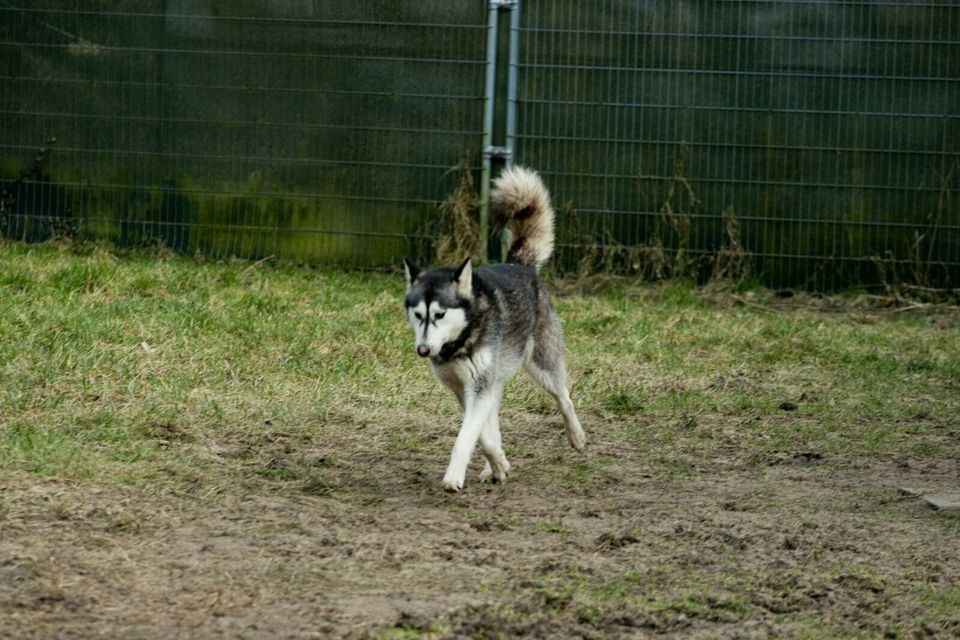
[{"x": 423, "y": 350}]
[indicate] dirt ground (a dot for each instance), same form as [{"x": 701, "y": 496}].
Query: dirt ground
[{"x": 797, "y": 545}]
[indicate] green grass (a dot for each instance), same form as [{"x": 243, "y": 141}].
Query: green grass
[
  {"x": 101, "y": 350},
  {"x": 406, "y": 632},
  {"x": 552, "y": 526}
]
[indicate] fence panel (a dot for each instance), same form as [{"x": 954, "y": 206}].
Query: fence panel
[
  {"x": 816, "y": 140},
  {"x": 822, "y": 137},
  {"x": 312, "y": 131}
]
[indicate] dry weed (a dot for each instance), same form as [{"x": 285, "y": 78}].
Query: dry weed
[{"x": 458, "y": 235}]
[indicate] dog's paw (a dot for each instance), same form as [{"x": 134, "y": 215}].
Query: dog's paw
[
  {"x": 503, "y": 472},
  {"x": 452, "y": 484},
  {"x": 577, "y": 438},
  {"x": 490, "y": 474},
  {"x": 487, "y": 474}
]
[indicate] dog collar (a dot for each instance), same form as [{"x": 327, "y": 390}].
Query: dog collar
[{"x": 450, "y": 349}]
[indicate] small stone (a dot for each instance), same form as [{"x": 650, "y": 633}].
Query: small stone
[
  {"x": 944, "y": 501},
  {"x": 614, "y": 540},
  {"x": 804, "y": 457},
  {"x": 789, "y": 406}
]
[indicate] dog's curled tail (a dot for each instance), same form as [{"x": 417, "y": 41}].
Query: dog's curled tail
[{"x": 521, "y": 203}]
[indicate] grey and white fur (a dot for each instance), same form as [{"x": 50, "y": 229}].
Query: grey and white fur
[{"x": 479, "y": 326}]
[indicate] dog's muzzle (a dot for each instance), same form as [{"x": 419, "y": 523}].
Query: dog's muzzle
[{"x": 423, "y": 350}]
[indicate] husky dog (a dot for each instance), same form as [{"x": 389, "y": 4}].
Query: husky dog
[{"x": 479, "y": 326}]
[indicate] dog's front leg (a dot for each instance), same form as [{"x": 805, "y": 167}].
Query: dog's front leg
[{"x": 478, "y": 410}]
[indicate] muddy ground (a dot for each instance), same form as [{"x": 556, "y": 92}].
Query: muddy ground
[{"x": 795, "y": 545}]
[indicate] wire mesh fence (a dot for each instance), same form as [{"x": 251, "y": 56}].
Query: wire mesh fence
[
  {"x": 311, "y": 131},
  {"x": 820, "y": 139},
  {"x": 812, "y": 142}
]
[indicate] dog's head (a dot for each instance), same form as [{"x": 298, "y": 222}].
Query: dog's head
[{"x": 437, "y": 303}]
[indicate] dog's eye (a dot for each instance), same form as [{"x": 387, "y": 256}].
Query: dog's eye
[
  {"x": 438, "y": 316},
  {"x": 418, "y": 315}
]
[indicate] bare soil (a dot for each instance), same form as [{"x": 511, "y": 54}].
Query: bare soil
[{"x": 796, "y": 545}]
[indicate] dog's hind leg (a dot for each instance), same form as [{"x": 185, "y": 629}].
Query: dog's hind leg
[
  {"x": 553, "y": 381},
  {"x": 547, "y": 368}
]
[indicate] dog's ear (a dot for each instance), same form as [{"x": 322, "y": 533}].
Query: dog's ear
[
  {"x": 411, "y": 270},
  {"x": 464, "y": 279}
]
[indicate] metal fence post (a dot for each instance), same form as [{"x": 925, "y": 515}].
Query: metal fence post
[
  {"x": 512, "y": 66},
  {"x": 490, "y": 151},
  {"x": 488, "y": 91}
]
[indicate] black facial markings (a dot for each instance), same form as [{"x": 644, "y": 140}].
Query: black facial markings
[
  {"x": 413, "y": 300},
  {"x": 433, "y": 286}
]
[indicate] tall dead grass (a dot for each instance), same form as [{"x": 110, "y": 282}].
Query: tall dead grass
[{"x": 458, "y": 228}]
